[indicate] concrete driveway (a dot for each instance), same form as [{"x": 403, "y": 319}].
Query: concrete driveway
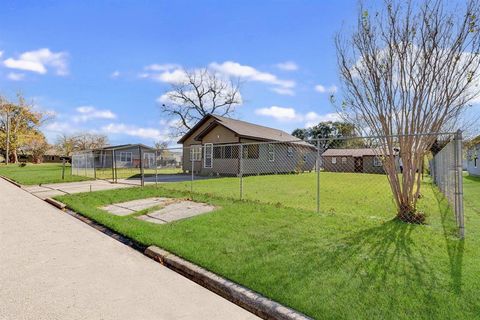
[{"x": 53, "y": 266}]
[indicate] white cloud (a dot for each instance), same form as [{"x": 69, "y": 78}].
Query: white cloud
[
  {"x": 172, "y": 73},
  {"x": 235, "y": 69},
  {"x": 85, "y": 113},
  {"x": 162, "y": 67},
  {"x": 278, "y": 113},
  {"x": 312, "y": 118},
  {"x": 15, "y": 76},
  {"x": 134, "y": 131},
  {"x": 290, "y": 114},
  {"x": 1, "y": 54},
  {"x": 322, "y": 89},
  {"x": 115, "y": 74},
  {"x": 60, "y": 127},
  {"x": 287, "y": 66},
  {"x": 284, "y": 91},
  {"x": 40, "y": 61}
]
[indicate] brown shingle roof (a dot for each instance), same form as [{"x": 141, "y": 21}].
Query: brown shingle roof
[
  {"x": 352, "y": 152},
  {"x": 246, "y": 130}
]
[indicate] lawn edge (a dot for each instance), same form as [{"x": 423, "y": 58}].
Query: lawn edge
[
  {"x": 245, "y": 298},
  {"x": 240, "y": 295},
  {"x": 15, "y": 183}
]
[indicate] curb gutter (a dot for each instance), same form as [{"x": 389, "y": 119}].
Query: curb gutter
[
  {"x": 11, "y": 181},
  {"x": 246, "y": 298}
]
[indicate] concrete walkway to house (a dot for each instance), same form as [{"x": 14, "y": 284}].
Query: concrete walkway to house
[{"x": 53, "y": 266}]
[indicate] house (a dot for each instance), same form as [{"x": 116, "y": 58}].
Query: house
[
  {"x": 473, "y": 163},
  {"x": 126, "y": 156},
  {"x": 364, "y": 160},
  {"x": 213, "y": 146}
]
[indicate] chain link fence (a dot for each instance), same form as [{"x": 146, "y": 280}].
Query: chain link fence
[{"x": 347, "y": 175}]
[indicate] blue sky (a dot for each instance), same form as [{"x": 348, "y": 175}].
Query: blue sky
[{"x": 87, "y": 61}]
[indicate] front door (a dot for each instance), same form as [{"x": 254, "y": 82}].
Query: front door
[{"x": 358, "y": 164}]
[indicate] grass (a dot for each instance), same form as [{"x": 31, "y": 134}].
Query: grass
[
  {"x": 44, "y": 173},
  {"x": 365, "y": 195},
  {"x": 340, "y": 264},
  {"x": 125, "y": 173}
]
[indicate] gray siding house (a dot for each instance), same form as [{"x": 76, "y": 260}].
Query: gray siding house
[
  {"x": 473, "y": 163},
  {"x": 126, "y": 156},
  {"x": 212, "y": 147}
]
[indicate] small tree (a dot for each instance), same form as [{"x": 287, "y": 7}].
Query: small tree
[
  {"x": 37, "y": 145},
  {"x": 201, "y": 92},
  {"x": 409, "y": 70}
]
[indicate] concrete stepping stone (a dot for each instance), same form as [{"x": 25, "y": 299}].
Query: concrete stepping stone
[
  {"x": 176, "y": 211},
  {"x": 129, "y": 207}
]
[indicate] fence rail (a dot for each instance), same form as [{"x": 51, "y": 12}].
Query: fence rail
[{"x": 344, "y": 174}]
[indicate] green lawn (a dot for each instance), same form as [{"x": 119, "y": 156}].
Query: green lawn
[
  {"x": 33, "y": 174},
  {"x": 352, "y": 262},
  {"x": 365, "y": 195}
]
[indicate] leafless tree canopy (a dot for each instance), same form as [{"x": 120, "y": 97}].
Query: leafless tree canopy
[
  {"x": 411, "y": 68},
  {"x": 201, "y": 92},
  {"x": 67, "y": 144}
]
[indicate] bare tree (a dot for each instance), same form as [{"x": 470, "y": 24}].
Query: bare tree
[
  {"x": 65, "y": 144},
  {"x": 408, "y": 70},
  {"x": 88, "y": 141},
  {"x": 199, "y": 93}
]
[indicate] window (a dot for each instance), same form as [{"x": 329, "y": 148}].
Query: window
[
  {"x": 195, "y": 153},
  {"x": 228, "y": 152},
  {"x": 207, "y": 160},
  {"x": 271, "y": 152},
  {"x": 305, "y": 157},
  {"x": 377, "y": 162},
  {"x": 475, "y": 162},
  {"x": 125, "y": 156},
  {"x": 334, "y": 160},
  {"x": 344, "y": 160},
  {"x": 290, "y": 151},
  {"x": 251, "y": 151},
  {"x": 217, "y": 152},
  {"x": 149, "y": 160}
]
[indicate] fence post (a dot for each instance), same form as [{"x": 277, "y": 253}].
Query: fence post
[
  {"x": 114, "y": 167},
  {"x": 318, "y": 175},
  {"x": 85, "y": 162},
  {"x": 142, "y": 177},
  {"x": 94, "y": 168},
  {"x": 156, "y": 169},
  {"x": 241, "y": 170},
  {"x": 459, "y": 183},
  {"x": 191, "y": 180}
]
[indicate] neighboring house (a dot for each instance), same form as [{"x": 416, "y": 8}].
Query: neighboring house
[
  {"x": 473, "y": 161},
  {"x": 52, "y": 155},
  {"x": 364, "y": 160},
  {"x": 126, "y": 156},
  {"x": 212, "y": 147}
]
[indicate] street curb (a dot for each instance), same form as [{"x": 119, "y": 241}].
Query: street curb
[
  {"x": 56, "y": 203},
  {"x": 11, "y": 181},
  {"x": 245, "y": 298}
]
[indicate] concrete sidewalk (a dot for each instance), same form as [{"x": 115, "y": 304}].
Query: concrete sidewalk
[{"x": 53, "y": 266}]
